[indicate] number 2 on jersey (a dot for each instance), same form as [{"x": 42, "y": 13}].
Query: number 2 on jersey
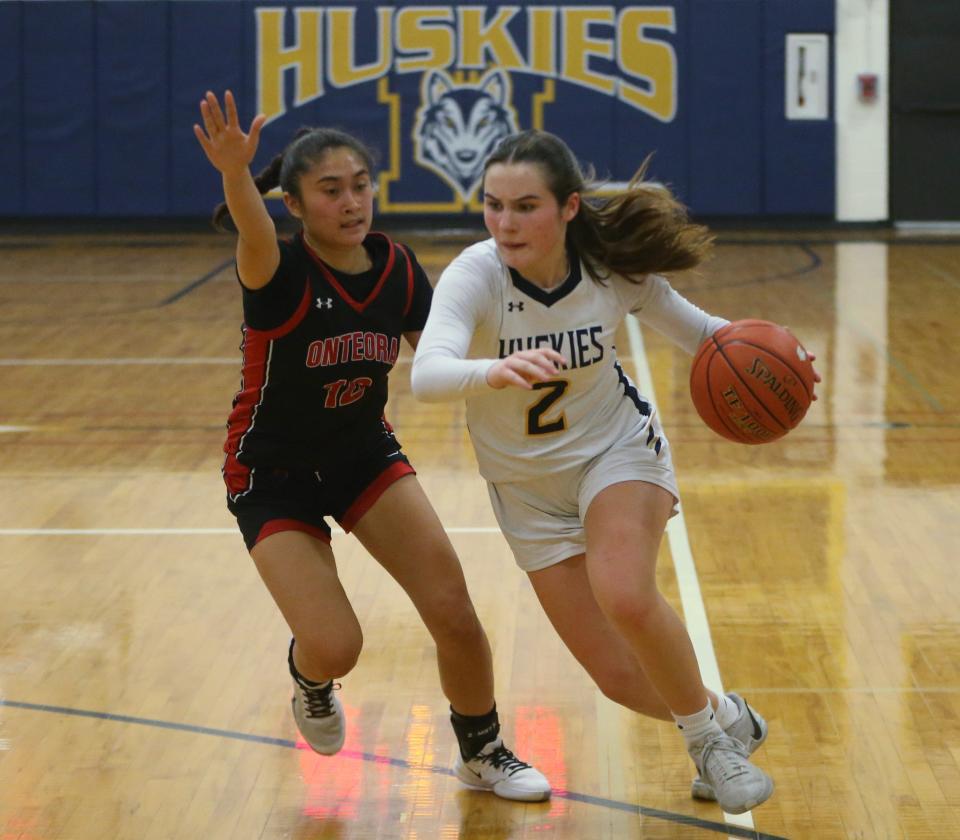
[{"x": 536, "y": 424}]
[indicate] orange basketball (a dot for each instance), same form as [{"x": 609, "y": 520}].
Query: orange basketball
[{"x": 752, "y": 381}]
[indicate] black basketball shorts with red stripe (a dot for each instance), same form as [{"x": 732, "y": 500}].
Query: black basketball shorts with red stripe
[{"x": 298, "y": 500}]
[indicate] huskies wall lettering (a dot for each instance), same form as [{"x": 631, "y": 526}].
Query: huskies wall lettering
[
  {"x": 700, "y": 84},
  {"x": 451, "y": 81}
]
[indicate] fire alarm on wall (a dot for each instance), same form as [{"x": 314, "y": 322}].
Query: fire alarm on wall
[{"x": 867, "y": 87}]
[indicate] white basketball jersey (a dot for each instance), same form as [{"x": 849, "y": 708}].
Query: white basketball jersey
[{"x": 575, "y": 416}]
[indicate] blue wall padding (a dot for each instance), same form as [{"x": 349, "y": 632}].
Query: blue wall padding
[
  {"x": 11, "y": 110},
  {"x": 208, "y": 50},
  {"x": 133, "y": 109},
  {"x": 637, "y": 136},
  {"x": 724, "y": 140},
  {"x": 59, "y": 117},
  {"x": 98, "y": 100},
  {"x": 579, "y": 128},
  {"x": 800, "y": 160}
]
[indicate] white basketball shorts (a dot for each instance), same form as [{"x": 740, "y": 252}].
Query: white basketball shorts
[{"x": 542, "y": 518}]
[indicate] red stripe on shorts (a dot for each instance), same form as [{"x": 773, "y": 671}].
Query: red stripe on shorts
[
  {"x": 275, "y": 526},
  {"x": 374, "y": 491}
]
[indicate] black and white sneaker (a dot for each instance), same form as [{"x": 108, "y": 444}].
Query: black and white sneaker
[
  {"x": 319, "y": 716},
  {"x": 497, "y": 769},
  {"x": 317, "y": 711}
]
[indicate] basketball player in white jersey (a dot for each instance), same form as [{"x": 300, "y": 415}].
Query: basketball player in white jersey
[{"x": 579, "y": 472}]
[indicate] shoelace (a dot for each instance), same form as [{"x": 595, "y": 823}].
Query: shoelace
[
  {"x": 318, "y": 701},
  {"x": 725, "y": 755},
  {"x": 502, "y": 759}
]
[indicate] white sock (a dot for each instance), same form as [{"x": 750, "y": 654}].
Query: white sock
[
  {"x": 699, "y": 726},
  {"x": 727, "y": 711}
]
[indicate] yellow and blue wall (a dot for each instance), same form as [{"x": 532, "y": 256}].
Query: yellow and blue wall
[{"x": 97, "y": 99}]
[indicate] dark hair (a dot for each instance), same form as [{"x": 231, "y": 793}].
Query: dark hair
[
  {"x": 307, "y": 148},
  {"x": 638, "y": 230}
]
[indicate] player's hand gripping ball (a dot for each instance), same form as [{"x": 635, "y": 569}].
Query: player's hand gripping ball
[{"x": 752, "y": 381}]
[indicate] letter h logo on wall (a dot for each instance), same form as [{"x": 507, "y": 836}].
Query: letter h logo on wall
[{"x": 454, "y": 78}]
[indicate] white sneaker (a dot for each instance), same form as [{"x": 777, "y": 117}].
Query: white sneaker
[
  {"x": 750, "y": 729},
  {"x": 317, "y": 711},
  {"x": 319, "y": 716},
  {"x": 496, "y": 768},
  {"x": 737, "y": 784}
]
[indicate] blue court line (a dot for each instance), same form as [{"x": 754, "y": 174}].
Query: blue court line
[
  {"x": 912, "y": 381},
  {"x": 196, "y": 283},
  {"x": 812, "y": 265},
  {"x": 612, "y": 804}
]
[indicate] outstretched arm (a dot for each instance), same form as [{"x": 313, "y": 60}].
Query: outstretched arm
[
  {"x": 231, "y": 151},
  {"x": 671, "y": 314}
]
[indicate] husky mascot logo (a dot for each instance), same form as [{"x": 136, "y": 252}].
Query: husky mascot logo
[{"x": 458, "y": 125}]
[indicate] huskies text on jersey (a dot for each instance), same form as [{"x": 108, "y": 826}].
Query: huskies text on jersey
[{"x": 581, "y": 346}]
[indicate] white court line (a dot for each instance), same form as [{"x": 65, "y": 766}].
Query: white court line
[
  {"x": 854, "y": 689},
  {"x": 690, "y": 596},
  {"x": 233, "y": 361},
  {"x": 694, "y": 612},
  {"x": 161, "y": 532},
  {"x": 133, "y": 360}
]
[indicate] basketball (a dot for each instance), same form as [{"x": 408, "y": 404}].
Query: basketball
[{"x": 752, "y": 381}]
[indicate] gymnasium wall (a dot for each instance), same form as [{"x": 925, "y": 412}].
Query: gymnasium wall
[
  {"x": 97, "y": 99},
  {"x": 861, "y": 48}
]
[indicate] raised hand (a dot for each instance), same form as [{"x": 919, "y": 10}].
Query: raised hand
[
  {"x": 222, "y": 139},
  {"x": 525, "y": 367}
]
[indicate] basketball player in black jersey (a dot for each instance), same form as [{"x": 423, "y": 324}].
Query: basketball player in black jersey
[{"x": 323, "y": 317}]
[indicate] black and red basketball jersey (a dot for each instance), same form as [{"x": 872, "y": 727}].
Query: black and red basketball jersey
[{"x": 318, "y": 345}]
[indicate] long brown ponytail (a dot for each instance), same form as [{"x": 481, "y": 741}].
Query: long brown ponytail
[{"x": 638, "y": 230}]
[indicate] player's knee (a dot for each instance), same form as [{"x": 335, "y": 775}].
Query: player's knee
[
  {"x": 330, "y": 655},
  {"x": 629, "y": 606}
]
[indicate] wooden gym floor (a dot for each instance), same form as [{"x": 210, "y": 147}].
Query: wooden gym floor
[{"x": 143, "y": 683}]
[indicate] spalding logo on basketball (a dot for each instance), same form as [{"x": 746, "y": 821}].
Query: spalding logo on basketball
[{"x": 752, "y": 381}]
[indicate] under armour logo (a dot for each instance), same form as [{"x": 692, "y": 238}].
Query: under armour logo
[
  {"x": 324, "y": 303},
  {"x": 518, "y": 306}
]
